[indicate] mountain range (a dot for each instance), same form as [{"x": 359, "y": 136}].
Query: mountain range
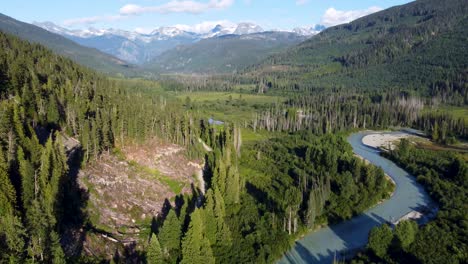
[
  {"x": 223, "y": 54},
  {"x": 414, "y": 45},
  {"x": 139, "y": 48},
  {"x": 86, "y": 56}
]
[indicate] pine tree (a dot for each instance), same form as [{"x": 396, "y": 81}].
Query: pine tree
[
  {"x": 170, "y": 235},
  {"x": 13, "y": 234},
  {"x": 58, "y": 257},
  {"x": 223, "y": 242},
  {"x": 7, "y": 191},
  {"x": 28, "y": 179},
  {"x": 53, "y": 115},
  {"x": 311, "y": 210},
  {"x": 154, "y": 254},
  {"x": 195, "y": 245}
]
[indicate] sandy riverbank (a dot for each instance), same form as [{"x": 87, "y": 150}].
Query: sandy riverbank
[{"x": 382, "y": 140}]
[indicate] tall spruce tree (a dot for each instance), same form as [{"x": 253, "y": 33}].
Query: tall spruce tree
[
  {"x": 154, "y": 254},
  {"x": 195, "y": 245},
  {"x": 170, "y": 236}
]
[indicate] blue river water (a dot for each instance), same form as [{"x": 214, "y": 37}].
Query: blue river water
[{"x": 326, "y": 244}]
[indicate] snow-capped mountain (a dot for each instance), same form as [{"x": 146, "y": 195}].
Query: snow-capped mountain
[
  {"x": 247, "y": 28},
  {"x": 309, "y": 31},
  {"x": 139, "y": 48},
  {"x": 219, "y": 30}
]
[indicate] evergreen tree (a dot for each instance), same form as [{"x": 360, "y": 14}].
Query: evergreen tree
[
  {"x": 217, "y": 231},
  {"x": 154, "y": 254},
  {"x": 7, "y": 191},
  {"x": 58, "y": 257},
  {"x": 28, "y": 179},
  {"x": 12, "y": 235},
  {"x": 53, "y": 115},
  {"x": 170, "y": 236},
  {"x": 195, "y": 245}
]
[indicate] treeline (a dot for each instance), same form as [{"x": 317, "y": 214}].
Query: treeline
[
  {"x": 443, "y": 240},
  {"x": 45, "y": 99},
  {"x": 260, "y": 199},
  {"x": 331, "y": 113},
  {"x": 329, "y": 110}
]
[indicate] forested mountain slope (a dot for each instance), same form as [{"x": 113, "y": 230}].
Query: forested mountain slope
[
  {"x": 418, "y": 45},
  {"x": 225, "y": 54},
  {"x": 86, "y": 56},
  {"x": 45, "y": 100}
]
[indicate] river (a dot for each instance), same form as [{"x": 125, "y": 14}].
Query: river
[{"x": 323, "y": 245}]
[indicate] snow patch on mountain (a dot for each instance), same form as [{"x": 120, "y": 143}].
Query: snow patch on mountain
[
  {"x": 309, "y": 31},
  {"x": 139, "y": 47},
  {"x": 247, "y": 28}
]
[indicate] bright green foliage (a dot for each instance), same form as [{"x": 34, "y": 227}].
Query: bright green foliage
[
  {"x": 293, "y": 183},
  {"x": 217, "y": 230},
  {"x": 225, "y": 174},
  {"x": 58, "y": 257},
  {"x": 405, "y": 233},
  {"x": 380, "y": 239},
  {"x": 257, "y": 202},
  {"x": 195, "y": 244},
  {"x": 14, "y": 236},
  {"x": 154, "y": 254},
  {"x": 7, "y": 191},
  {"x": 170, "y": 236}
]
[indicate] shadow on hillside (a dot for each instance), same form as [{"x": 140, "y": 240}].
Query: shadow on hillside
[
  {"x": 262, "y": 197},
  {"x": 72, "y": 202}
]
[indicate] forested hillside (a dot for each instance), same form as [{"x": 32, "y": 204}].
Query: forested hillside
[
  {"x": 85, "y": 56},
  {"x": 420, "y": 45},
  {"x": 225, "y": 54},
  {"x": 45, "y": 100},
  {"x": 258, "y": 200},
  {"x": 268, "y": 149}
]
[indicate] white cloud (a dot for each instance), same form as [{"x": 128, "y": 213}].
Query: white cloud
[
  {"x": 176, "y": 6},
  {"x": 143, "y": 30},
  {"x": 205, "y": 26},
  {"x": 333, "y": 17},
  {"x": 301, "y": 2},
  {"x": 92, "y": 20}
]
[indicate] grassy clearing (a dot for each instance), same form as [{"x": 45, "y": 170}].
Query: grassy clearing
[
  {"x": 175, "y": 186},
  {"x": 229, "y": 96},
  {"x": 228, "y": 106},
  {"x": 457, "y": 112},
  {"x": 248, "y": 135},
  {"x": 244, "y": 87}
]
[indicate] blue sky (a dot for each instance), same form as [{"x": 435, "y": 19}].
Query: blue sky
[{"x": 199, "y": 15}]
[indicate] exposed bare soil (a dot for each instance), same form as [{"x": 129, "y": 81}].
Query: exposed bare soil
[{"x": 128, "y": 188}]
